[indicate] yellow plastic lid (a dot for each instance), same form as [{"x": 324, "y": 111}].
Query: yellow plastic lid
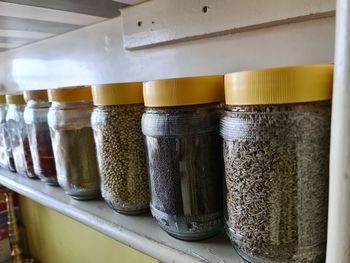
[
  {"x": 2, "y": 99},
  {"x": 117, "y": 93},
  {"x": 37, "y": 95},
  {"x": 183, "y": 91},
  {"x": 15, "y": 99},
  {"x": 280, "y": 85},
  {"x": 70, "y": 94}
]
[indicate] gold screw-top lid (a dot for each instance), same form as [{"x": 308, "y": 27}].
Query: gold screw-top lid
[
  {"x": 70, "y": 94},
  {"x": 183, "y": 91},
  {"x": 279, "y": 85},
  {"x": 2, "y": 99},
  {"x": 15, "y": 99},
  {"x": 117, "y": 93},
  {"x": 37, "y": 95}
]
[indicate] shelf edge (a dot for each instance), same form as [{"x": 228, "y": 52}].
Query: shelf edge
[{"x": 119, "y": 233}]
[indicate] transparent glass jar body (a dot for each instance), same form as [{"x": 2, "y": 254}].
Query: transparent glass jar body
[
  {"x": 121, "y": 157},
  {"x": 184, "y": 158},
  {"x": 6, "y": 157},
  {"x": 35, "y": 117},
  {"x": 74, "y": 149},
  {"x": 19, "y": 140},
  {"x": 276, "y": 180}
]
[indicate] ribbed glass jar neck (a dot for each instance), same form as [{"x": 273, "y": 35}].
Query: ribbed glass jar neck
[
  {"x": 181, "y": 121},
  {"x": 38, "y": 104},
  {"x": 3, "y": 111},
  {"x": 122, "y": 106},
  {"x": 71, "y": 105},
  {"x": 307, "y": 106},
  {"x": 184, "y": 109},
  {"x": 18, "y": 107}
]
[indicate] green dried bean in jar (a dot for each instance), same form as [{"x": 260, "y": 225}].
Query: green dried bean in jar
[
  {"x": 116, "y": 121},
  {"x": 276, "y": 131}
]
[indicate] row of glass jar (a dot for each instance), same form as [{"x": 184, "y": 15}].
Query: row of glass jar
[{"x": 272, "y": 154}]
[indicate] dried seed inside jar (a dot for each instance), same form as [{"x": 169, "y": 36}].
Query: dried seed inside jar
[
  {"x": 73, "y": 141},
  {"x": 276, "y": 174},
  {"x": 183, "y": 149},
  {"x": 276, "y": 131},
  {"x": 36, "y": 122},
  {"x": 18, "y": 135},
  {"x": 183, "y": 153},
  {"x": 121, "y": 158},
  {"x": 76, "y": 164}
]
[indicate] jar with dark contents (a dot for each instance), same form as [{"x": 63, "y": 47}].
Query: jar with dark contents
[
  {"x": 18, "y": 135},
  {"x": 116, "y": 121},
  {"x": 6, "y": 157},
  {"x": 183, "y": 153},
  {"x": 35, "y": 117},
  {"x": 276, "y": 131},
  {"x": 73, "y": 141}
]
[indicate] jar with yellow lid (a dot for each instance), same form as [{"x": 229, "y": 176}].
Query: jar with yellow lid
[
  {"x": 184, "y": 154},
  {"x": 35, "y": 117},
  {"x": 18, "y": 135},
  {"x": 276, "y": 132},
  {"x": 116, "y": 121},
  {"x": 73, "y": 141},
  {"x": 6, "y": 157}
]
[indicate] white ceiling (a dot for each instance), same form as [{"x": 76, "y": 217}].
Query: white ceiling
[{"x": 26, "y": 21}]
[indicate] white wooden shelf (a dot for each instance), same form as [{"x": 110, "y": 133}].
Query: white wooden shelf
[
  {"x": 163, "y": 39},
  {"x": 220, "y": 41},
  {"x": 139, "y": 232}
]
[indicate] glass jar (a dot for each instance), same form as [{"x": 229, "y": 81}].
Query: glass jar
[
  {"x": 73, "y": 142},
  {"x": 120, "y": 150},
  {"x": 35, "y": 117},
  {"x": 18, "y": 135},
  {"x": 6, "y": 157},
  {"x": 276, "y": 131},
  {"x": 183, "y": 151}
]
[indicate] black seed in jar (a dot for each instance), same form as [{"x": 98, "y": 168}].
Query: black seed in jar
[
  {"x": 184, "y": 156},
  {"x": 185, "y": 174}
]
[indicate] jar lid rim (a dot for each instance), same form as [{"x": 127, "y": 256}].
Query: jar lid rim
[
  {"x": 15, "y": 98},
  {"x": 36, "y": 95},
  {"x": 294, "y": 84},
  {"x": 70, "y": 94},
  {"x": 117, "y": 93},
  {"x": 184, "y": 91}
]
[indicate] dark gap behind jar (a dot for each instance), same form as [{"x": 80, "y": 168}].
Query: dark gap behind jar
[
  {"x": 28, "y": 158},
  {"x": 45, "y": 167}
]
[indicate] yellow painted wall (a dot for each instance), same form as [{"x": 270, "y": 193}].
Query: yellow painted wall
[{"x": 55, "y": 238}]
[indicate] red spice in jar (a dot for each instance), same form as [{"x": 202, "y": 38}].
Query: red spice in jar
[{"x": 28, "y": 158}]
